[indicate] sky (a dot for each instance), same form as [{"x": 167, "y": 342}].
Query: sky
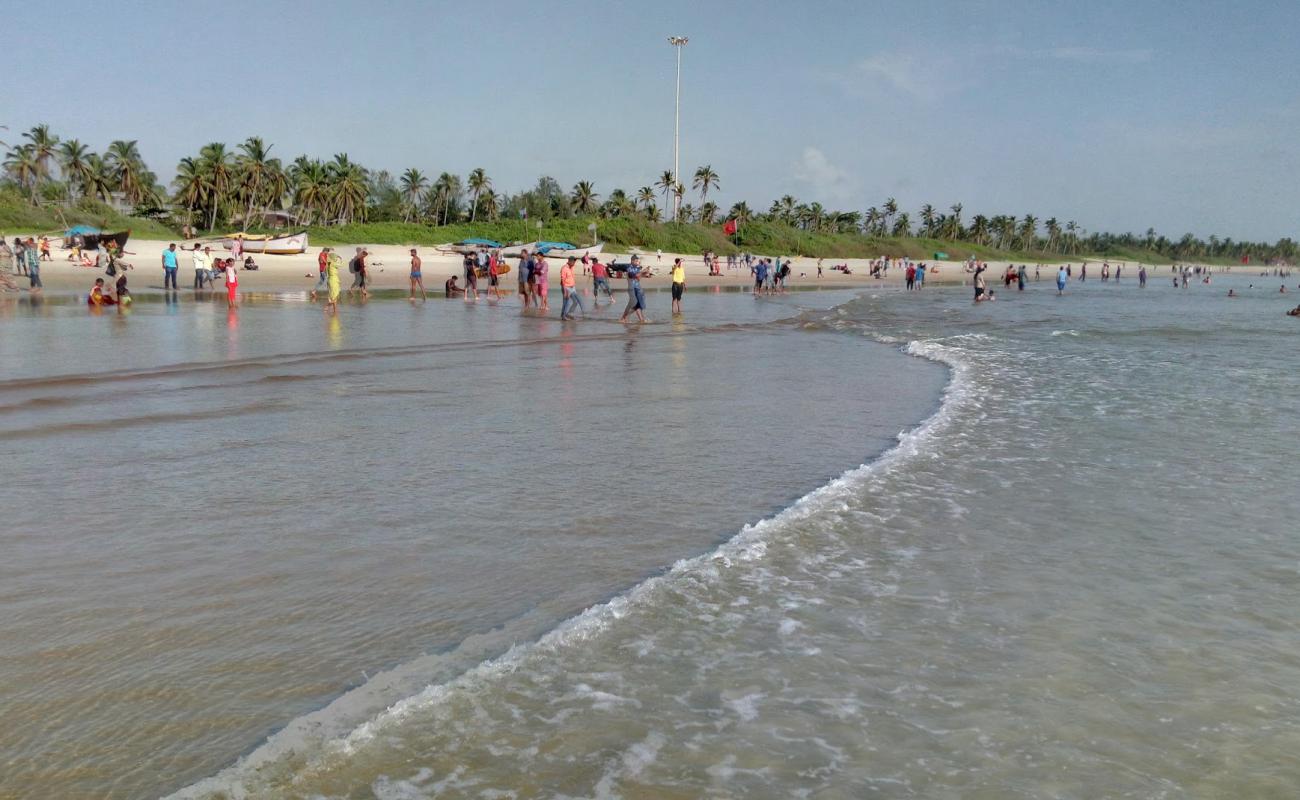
[{"x": 1121, "y": 116}]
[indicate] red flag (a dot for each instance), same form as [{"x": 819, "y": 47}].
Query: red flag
[{"x": 730, "y": 228}]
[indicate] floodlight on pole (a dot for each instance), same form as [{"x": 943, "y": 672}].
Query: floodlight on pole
[{"x": 678, "y": 42}]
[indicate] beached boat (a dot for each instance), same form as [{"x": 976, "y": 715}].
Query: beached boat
[
  {"x": 288, "y": 244},
  {"x": 563, "y": 249},
  {"x": 467, "y": 246}
]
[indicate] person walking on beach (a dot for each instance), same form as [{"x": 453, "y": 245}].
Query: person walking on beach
[
  {"x": 45, "y": 249},
  {"x": 20, "y": 256},
  {"x": 569, "y": 286},
  {"x": 232, "y": 282},
  {"x": 1061, "y": 276},
  {"x": 322, "y": 265},
  {"x": 332, "y": 265},
  {"x": 760, "y": 276},
  {"x": 469, "y": 264},
  {"x": 635, "y": 298},
  {"x": 494, "y": 273},
  {"x": 169, "y": 266},
  {"x": 541, "y": 285},
  {"x": 1083, "y": 272},
  {"x": 358, "y": 268},
  {"x": 679, "y": 285},
  {"x": 599, "y": 280},
  {"x": 417, "y": 277},
  {"x": 33, "y": 265}
]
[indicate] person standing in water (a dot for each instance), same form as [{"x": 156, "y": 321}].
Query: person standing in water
[
  {"x": 417, "y": 277},
  {"x": 332, "y": 265},
  {"x": 679, "y": 284},
  {"x": 1142, "y": 276},
  {"x": 1062, "y": 275},
  {"x": 232, "y": 282},
  {"x": 980, "y": 285},
  {"x": 569, "y": 287},
  {"x": 635, "y": 298},
  {"x": 600, "y": 280},
  {"x": 1020, "y": 278},
  {"x": 169, "y": 266},
  {"x": 322, "y": 264}
]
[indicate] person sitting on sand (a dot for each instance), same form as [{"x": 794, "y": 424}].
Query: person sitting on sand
[
  {"x": 98, "y": 297},
  {"x": 250, "y": 264},
  {"x": 452, "y": 289}
]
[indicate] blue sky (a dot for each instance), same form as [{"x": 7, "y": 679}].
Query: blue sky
[{"x": 1119, "y": 115}]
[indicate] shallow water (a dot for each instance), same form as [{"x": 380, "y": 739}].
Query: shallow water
[
  {"x": 1078, "y": 578},
  {"x": 220, "y": 526}
]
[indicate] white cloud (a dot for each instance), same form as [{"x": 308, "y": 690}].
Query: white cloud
[
  {"x": 828, "y": 183},
  {"x": 921, "y": 79}
]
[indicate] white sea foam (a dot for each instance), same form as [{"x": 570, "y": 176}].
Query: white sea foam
[{"x": 746, "y": 547}]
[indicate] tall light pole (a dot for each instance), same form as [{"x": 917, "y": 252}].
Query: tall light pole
[{"x": 677, "y": 42}]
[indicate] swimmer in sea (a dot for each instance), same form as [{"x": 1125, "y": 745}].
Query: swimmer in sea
[{"x": 1295, "y": 312}]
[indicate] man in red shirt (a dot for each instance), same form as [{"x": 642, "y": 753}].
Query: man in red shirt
[
  {"x": 323, "y": 282},
  {"x": 600, "y": 280}
]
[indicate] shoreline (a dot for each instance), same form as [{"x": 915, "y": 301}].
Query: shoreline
[{"x": 389, "y": 272}]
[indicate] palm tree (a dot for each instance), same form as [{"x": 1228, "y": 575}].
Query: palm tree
[
  {"x": 979, "y": 229},
  {"x": 255, "y": 169},
  {"x": 21, "y": 164},
  {"x": 678, "y": 191},
  {"x": 870, "y": 220},
  {"x": 128, "y": 169},
  {"x": 927, "y": 220},
  {"x": 347, "y": 189},
  {"x": 191, "y": 186},
  {"x": 666, "y": 182},
  {"x": 645, "y": 196},
  {"x": 43, "y": 144},
  {"x": 903, "y": 225},
  {"x": 584, "y": 197},
  {"x": 1053, "y": 234},
  {"x": 447, "y": 189},
  {"x": 890, "y": 209},
  {"x": 99, "y": 178},
  {"x": 1028, "y": 232},
  {"x": 740, "y": 212},
  {"x": 218, "y": 169},
  {"x": 708, "y": 213},
  {"x": 705, "y": 179},
  {"x": 413, "y": 185},
  {"x": 478, "y": 183},
  {"x": 310, "y": 187},
  {"x": 72, "y": 163}
]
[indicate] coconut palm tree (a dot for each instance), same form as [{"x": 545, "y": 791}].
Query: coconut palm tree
[
  {"x": 705, "y": 179},
  {"x": 22, "y": 166},
  {"x": 740, "y": 212},
  {"x": 72, "y": 163},
  {"x": 191, "y": 186},
  {"x": 218, "y": 168},
  {"x": 979, "y": 229},
  {"x": 667, "y": 182},
  {"x": 927, "y": 220},
  {"x": 903, "y": 225},
  {"x": 889, "y": 210},
  {"x": 1053, "y": 234},
  {"x": 100, "y": 178},
  {"x": 256, "y": 168},
  {"x": 645, "y": 196},
  {"x": 43, "y": 144},
  {"x": 870, "y": 220},
  {"x": 413, "y": 184},
  {"x": 478, "y": 183},
  {"x": 584, "y": 197},
  {"x": 310, "y": 182},
  {"x": 447, "y": 189},
  {"x": 708, "y": 213},
  {"x": 128, "y": 169},
  {"x": 347, "y": 189},
  {"x": 1028, "y": 232}
]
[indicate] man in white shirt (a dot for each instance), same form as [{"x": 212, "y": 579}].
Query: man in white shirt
[{"x": 202, "y": 267}]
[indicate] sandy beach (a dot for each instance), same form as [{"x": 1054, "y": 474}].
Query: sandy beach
[{"x": 389, "y": 266}]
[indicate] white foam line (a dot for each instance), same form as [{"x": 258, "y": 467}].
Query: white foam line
[{"x": 750, "y": 544}]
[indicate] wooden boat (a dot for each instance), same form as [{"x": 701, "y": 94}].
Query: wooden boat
[
  {"x": 288, "y": 244},
  {"x": 93, "y": 241}
]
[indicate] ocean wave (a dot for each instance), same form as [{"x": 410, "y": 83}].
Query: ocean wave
[{"x": 246, "y": 778}]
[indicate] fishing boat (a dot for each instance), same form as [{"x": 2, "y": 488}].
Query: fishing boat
[
  {"x": 288, "y": 244},
  {"x": 91, "y": 238},
  {"x": 467, "y": 246},
  {"x": 563, "y": 249}
]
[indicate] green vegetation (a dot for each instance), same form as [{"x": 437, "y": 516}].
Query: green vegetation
[
  {"x": 19, "y": 216},
  {"x": 342, "y": 202}
]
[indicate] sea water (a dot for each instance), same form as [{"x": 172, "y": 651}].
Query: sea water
[{"x": 1066, "y": 566}]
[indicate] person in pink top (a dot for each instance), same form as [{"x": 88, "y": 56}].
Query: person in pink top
[
  {"x": 569, "y": 286},
  {"x": 540, "y": 268}
]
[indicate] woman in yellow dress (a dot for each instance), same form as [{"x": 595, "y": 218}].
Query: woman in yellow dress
[{"x": 332, "y": 277}]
